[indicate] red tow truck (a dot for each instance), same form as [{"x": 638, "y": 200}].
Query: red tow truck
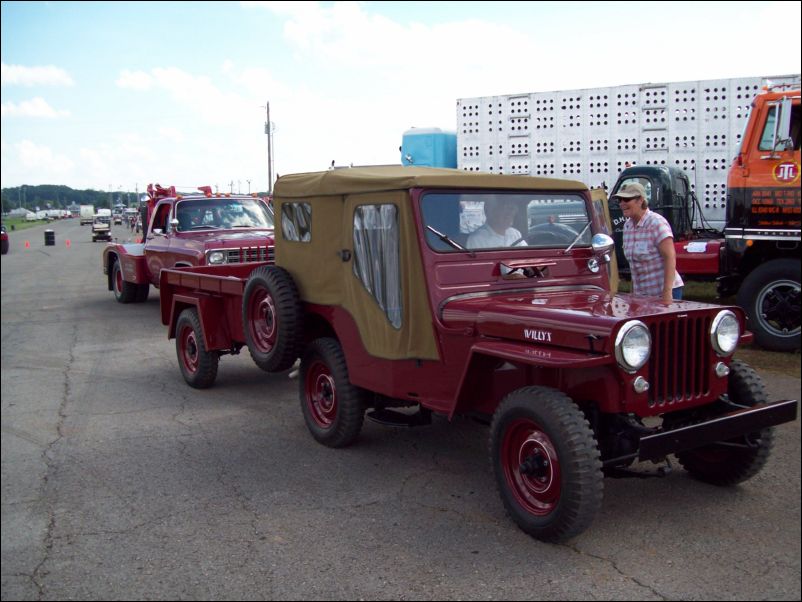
[{"x": 195, "y": 229}]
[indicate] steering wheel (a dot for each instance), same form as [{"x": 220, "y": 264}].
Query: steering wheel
[{"x": 549, "y": 234}]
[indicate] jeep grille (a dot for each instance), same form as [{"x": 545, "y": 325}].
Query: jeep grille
[
  {"x": 248, "y": 254},
  {"x": 679, "y": 369}
]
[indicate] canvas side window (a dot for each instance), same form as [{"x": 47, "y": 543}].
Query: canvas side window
[
  {"x": 296, "y": 221},
  {"x": 377, "y": 262}
]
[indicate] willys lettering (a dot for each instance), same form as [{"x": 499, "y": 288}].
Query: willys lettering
[{"x": 537, "y": 335}]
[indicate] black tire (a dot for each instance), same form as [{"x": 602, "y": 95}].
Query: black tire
[
  {"x": 272, "y": 318},
  {"x": 727, "y": 465},
  {"x": 4, "y": 247},
  {"x": 770, "y": 297},
  {"x": 333, "y": 408},
  {"x": 546, "y": 462},
  {"x": 198, "y": 366},
  {"x": 142, "y": 292},
  {"x": 124, "y": 292}
]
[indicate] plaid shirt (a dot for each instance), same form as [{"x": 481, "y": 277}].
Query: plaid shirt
[{"x": 641, "y": 250}]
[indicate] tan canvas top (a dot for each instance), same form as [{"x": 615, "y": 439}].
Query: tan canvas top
[
  {"x": 322, "y": 275},
  {"x": 398, "y": 177}
]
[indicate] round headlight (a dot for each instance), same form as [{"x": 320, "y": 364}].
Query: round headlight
[
  {"x": 633, "y": 345},
  {"x": 216, "y": 257},
  {"x": 725, "y": 332}
]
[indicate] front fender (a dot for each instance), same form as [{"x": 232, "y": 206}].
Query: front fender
[{"x": 484, "y": 382}]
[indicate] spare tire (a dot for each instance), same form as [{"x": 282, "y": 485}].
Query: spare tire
[{"x": 272, "y": 318}]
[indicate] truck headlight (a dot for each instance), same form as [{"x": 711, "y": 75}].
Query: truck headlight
[
  {"x": 633, "y": 345},
  {"x": 725, "y": 332},
  {"x": 216, "y": 258}
]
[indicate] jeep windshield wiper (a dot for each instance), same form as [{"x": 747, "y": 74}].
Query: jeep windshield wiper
[
  {"x": 578, "y": 236},
  {"x": 448, "y": 240}
]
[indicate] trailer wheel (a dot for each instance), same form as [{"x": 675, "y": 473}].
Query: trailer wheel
[
  {"x": 333, "y": 408},
  {"x": 124, "y": 292},
  {"x": 546, "y": 463},
  {"x": 740, "y": 459},
  {"x": 770, "y": 297},
  {"x": 272, "y": 318},
  {"x": 198, "y": 366}
]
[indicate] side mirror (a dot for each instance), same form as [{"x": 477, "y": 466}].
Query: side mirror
[
  {"x": 174, "y": 223},
  {"x": 602, "y": 243}
]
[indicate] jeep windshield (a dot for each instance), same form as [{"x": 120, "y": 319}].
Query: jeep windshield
[
  {"x": 222, "y": 214},
  {"x": 479, "y": 220}
]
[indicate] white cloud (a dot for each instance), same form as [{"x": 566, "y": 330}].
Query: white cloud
[
  {"x": 34, "y": 157},
  {"x": 134, "y": 80},
  {"x": 171, "y": 134},
  {"x": 36, "y": 107},
  {"x": 17, "y": 75}
]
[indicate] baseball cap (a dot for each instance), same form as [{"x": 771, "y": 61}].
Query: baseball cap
[{"x": 631, "y": 190}]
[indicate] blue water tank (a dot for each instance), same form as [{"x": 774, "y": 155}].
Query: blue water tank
[{"x": 429, "y": 147}]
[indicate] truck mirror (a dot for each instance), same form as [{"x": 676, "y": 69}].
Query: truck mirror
[
  {"x": 782, "y": 135},
  {"x": 601, "y": 243}
]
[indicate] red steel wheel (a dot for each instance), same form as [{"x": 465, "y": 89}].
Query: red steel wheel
[
  {"x": 531, "y": 467},
  {"x": 124, "y": 292},
  {"x": 198, "y": 366},
  {"x": 333, "y": 408},
  {"x": 262, "y": 320},
  {"x": 272, "y": 318},
  {"x": 546, "y": 463},
  {"x": 321, "y": 394}
]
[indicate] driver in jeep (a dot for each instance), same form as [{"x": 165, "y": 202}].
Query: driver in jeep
[{"x": 497, "y": 230}]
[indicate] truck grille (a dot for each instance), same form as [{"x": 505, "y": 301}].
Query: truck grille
[
  {"x": 681, "y": 356},
  {"x": 248, "y": 254}
]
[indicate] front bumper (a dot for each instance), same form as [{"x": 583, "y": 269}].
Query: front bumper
[{"x": 722, "y": 428}]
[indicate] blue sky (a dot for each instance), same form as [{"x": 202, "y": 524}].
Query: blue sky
[{"x": 120, "y": 94}]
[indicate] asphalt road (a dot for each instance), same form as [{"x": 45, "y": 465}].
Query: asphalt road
[{"x": 121, "y": 482}]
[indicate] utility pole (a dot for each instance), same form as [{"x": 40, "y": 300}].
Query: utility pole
[
  {"x": 269, "y": 132},
  {"x": 249, "y": 186}
]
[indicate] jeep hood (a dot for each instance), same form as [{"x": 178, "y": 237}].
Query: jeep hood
[{"x": 580, "y": 318}]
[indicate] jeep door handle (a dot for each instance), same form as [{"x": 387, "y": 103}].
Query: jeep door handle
[{"x": 345, "y": 255}]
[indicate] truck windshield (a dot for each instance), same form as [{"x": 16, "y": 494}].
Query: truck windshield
[
  {"x": 216, "y": 213},
  {"x": 481, "y": 220}
]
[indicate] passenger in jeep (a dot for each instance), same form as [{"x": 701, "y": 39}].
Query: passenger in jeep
[{"x": 497, "y": 230}]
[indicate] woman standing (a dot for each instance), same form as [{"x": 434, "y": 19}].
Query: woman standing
[{"x": 648, "y": 246}]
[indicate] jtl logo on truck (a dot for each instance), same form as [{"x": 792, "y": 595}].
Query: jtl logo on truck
[{"x": 787, "y": 172}]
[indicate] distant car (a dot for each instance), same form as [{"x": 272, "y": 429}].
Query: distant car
[{"x": 4, "y": 238}]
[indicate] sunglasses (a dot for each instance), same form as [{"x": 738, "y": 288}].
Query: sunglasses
[{"x": 620, "y": 200}]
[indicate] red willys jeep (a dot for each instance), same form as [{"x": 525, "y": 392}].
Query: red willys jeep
[{"x": 446, "y": 292}]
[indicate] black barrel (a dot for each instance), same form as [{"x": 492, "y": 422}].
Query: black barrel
[{"x": 50, "y": 238}]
